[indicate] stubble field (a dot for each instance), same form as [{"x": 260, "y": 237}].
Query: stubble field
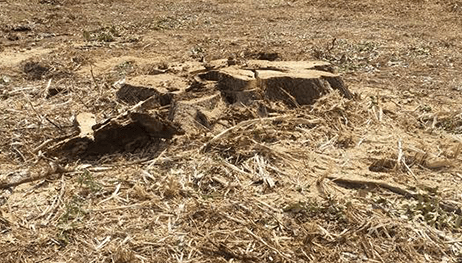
[{"x": 371, "y": 178}]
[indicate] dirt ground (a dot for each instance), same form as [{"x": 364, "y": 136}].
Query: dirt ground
[{"x": 374, "y": 178}]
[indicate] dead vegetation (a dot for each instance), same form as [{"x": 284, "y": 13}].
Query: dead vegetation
[{"x": 224, "y": 161}]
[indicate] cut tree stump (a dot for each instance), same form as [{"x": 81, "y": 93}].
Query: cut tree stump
[
  {"x": 294, "y": 83},
  {"x": 125, "y": 133},
  {"x": 140, "y": 88},
  {"x": 196, "y": 98},
  {"x": 302, "y": 87},
  {"x": 289, "y": 66},
  {"x": 197, "y": 114}
]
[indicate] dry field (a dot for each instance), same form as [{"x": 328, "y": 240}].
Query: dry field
[{"x": 373, "y": 178}]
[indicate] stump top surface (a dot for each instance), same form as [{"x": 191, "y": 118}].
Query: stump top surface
[{"x": 303, "y": 74}]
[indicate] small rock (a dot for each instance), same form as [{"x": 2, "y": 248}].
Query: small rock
[{"x": 6, "y": 79}]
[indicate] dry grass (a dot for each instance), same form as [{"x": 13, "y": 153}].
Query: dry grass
[
  {"x": 370, "y": 179},
  {"x": 261, "y": 191}
]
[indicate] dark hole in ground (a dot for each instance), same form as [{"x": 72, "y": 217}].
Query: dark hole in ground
[
  {"x": 382, "y": 165},
  {"x": 262, "y": 55},
  {"x": 12, "y": 37},
  {"x": 49, "y": 2},
  {"x": 35, "y": 70},
  {"x": 55, "y": 91},
  {"x": 271, "y": 56},
  {"x": 229, "y": 98},
  {"x": 21, "y": 28}
]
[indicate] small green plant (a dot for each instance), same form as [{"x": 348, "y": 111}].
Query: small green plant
[
  {"x": 105, "y": 37},
  {"x": 166, "y": 23},
  {"x": 105, "y": 34},
  {"x": 86, "y": 35},
  {"x": 419, "y": 51},
  {"x": 125, "y": 68},
  {"x": 451, "y": 124},
  {"x": 113, "y": 31},
  {"x": 426, "y": 108},
  {"x": 73, "y": 214},
  {"x": 366, "y": 46},
  {"x": 374, "y": 101},
  {"x": 428, "y": 210},
  {"x": 73, "y": 210},
  {"x": 87, "y": 181},
  {"x": 198, "y": 51},
  {"x": 330, "y": 211}
]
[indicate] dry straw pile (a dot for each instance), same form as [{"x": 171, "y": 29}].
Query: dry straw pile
[{"x": 342, "y": 180}]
